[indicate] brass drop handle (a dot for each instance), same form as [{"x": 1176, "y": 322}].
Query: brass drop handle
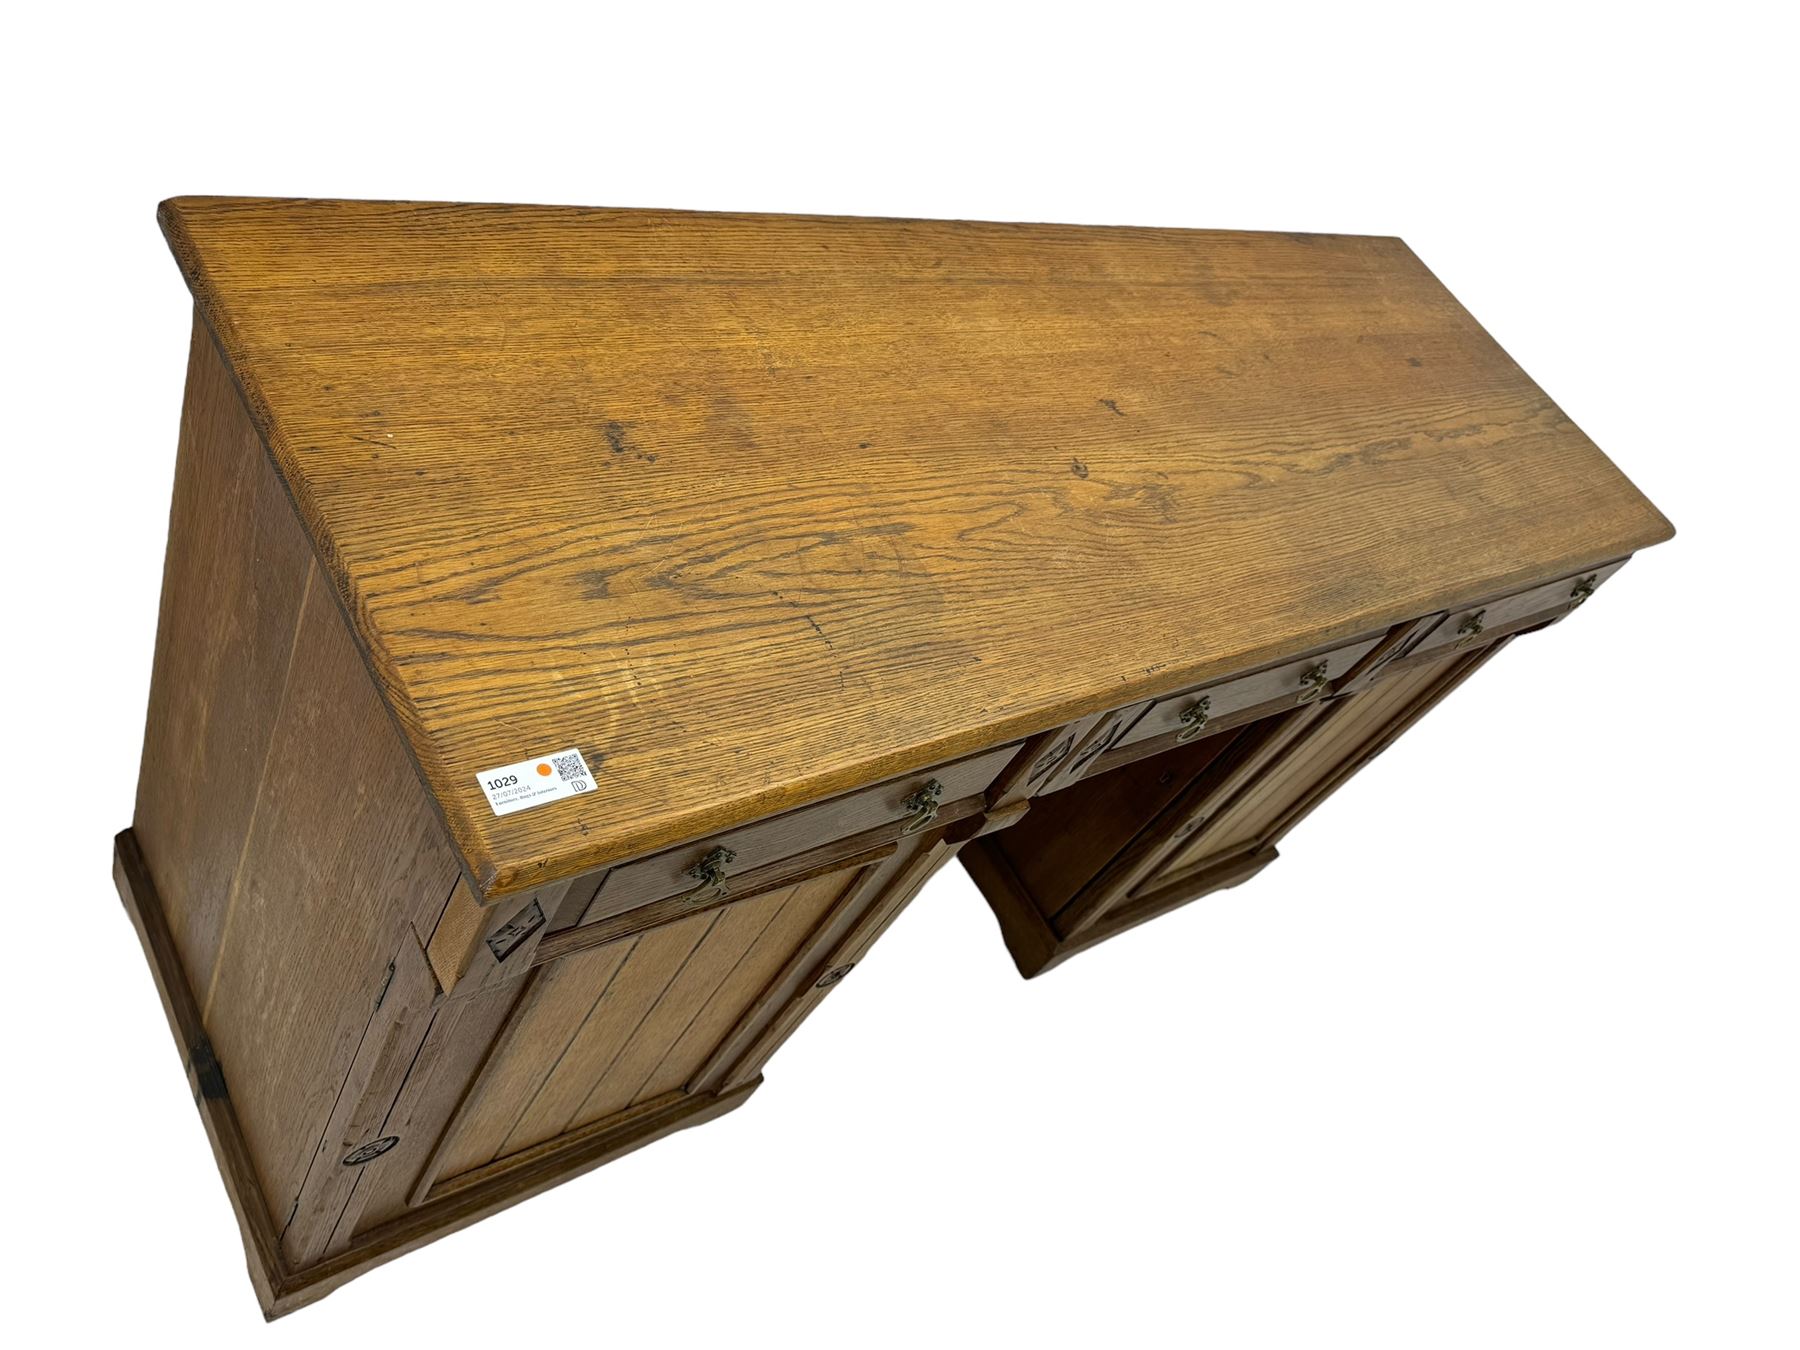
[
  {"x": 1583, "y": 589},
  {"x": 1194, "y": 718},
  {"x": 923, "y": 806},
  {"x": 710, "y": 873},
  {"x": 1314, "y": 680},
  {"x": 1470, "y": 628}
]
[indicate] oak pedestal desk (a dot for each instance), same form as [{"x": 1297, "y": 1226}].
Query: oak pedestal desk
[{"x": 583, "y": 632}]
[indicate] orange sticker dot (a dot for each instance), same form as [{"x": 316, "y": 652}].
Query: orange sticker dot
[{"x": 544, "y": 770}]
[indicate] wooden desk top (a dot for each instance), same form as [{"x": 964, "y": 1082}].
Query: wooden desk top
[{"x": 757, "y": 509}]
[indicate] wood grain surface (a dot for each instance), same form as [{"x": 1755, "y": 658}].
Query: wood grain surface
[{"x": 758, "y": 509}]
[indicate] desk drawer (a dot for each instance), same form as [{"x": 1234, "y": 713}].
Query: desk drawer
[
  {"x": 1243, "y": 698},
  {"x": 1476, "y": 624},
  {"x": 904, "y": 804}
]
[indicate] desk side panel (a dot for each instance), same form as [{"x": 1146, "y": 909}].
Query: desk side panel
[{"x": 278, "y": 813}]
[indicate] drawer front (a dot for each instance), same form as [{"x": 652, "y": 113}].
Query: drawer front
[
  {"x": 902, "y": 803},
  {"x": 1475, "y": 624},
  {"x": 1215, "y": 705}
]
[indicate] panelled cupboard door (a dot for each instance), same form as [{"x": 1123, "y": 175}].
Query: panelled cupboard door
[
  {"x": 846, "y": 942},
  {"x": 634, "y": 1021},
  {"x": 604, "y": 1029},
  {"x": 1307, "y": 767},
  {"x": 1233, "y": 804}
]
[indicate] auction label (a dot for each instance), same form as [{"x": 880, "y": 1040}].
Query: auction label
[{"x": 532, "y": 782}]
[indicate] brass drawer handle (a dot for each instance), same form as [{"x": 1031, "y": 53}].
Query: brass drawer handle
[
  {"x": 1314, "y": 680},
  {"x": 923, "y": 806},
  {"x": 1194, "y": 718},
  {"x": 710, "y": 873},
  {"x": 1470, "y": 628},
  {"x": 833, "y": 975},
  {"x": 1583, "y": 589}
]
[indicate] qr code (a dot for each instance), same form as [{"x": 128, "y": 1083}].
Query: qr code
[{"x": 569, "y": 766}]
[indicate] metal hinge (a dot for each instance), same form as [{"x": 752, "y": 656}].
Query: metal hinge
[{"x": 209, "y": 1076}]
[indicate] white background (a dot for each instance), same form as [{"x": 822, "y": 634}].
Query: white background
[{"x": 1502, "y": 1052}]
